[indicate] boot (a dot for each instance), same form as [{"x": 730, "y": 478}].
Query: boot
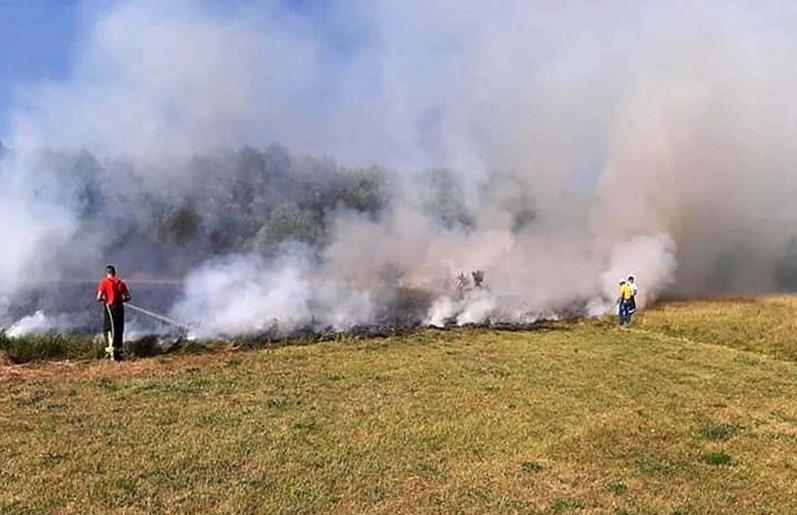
[{"x": 109, "y": 349}]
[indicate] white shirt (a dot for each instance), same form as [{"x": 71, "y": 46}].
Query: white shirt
[{"x": 634, "y": 289}]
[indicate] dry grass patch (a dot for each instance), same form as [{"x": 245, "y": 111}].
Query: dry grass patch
[
  {"x": 765, "y": 325},
  {"x": 584, "y": 418}
]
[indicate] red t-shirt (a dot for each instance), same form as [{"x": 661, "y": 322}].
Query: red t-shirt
[{"x": 113, "y": 290}]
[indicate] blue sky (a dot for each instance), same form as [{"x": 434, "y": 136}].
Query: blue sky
[{"x": 36, "y": 37}]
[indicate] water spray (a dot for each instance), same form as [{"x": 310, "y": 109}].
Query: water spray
[{"x": 157, "y": 316}]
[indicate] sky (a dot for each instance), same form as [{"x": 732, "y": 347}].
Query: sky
[{"x": 36, "y": 38}]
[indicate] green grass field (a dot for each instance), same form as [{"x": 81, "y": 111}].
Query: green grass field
[{"x": 692, "y": 410}]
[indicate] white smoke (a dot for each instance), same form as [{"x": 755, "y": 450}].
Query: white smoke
[
  {"x": 650, "y": 257},
  {"x": 476, "y": 306},
  {"x": 39, "y": 323},
  {"x": 443, "y": 309},
  {"x": 244, "y": 294},
  {"x": 587, "y": 141},
  {"x": 36, "y": 212}
]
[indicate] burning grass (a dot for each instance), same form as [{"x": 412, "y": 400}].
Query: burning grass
[{"x": 584, "y": 417}]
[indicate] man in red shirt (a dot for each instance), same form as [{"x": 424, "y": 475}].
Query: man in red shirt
[{"x": 112, "y": 292}]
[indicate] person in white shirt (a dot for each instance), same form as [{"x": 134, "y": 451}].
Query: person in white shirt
[{"x": 634, "y": 291}]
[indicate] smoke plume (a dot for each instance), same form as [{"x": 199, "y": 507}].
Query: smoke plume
[{"x": 280, "y": 165}]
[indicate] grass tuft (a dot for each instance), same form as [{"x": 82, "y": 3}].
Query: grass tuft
[
  {"x": 566, "y": 504},
  {"x": 47, "y": 347},
  {"x": 50, "y": 458},
  {"x": 721, "y": 431},
  {"x": 718, "y": 458},
  {"x": 616, "y": 487},
  {"x": 531, "y": 466}
]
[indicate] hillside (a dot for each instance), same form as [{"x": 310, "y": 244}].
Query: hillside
[{"x": 689, "y": 411}]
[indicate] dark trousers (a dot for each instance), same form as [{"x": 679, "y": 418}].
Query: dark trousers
[
  {"x": 624, "y": 312},
  {"x": 114, "y": 323}
]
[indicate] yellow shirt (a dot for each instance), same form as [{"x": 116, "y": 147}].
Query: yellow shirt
[{"x": 626, "y": 292}]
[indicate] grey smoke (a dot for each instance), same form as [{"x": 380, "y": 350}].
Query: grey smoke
[{"x": 556, "y": 147}]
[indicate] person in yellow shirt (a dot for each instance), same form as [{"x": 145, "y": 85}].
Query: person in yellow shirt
[{"x": 624, "y": 302}]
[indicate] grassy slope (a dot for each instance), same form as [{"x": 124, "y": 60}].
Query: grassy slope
[
  {"x": 587, "y": 417},
  {"x": 767, "y": 325}
]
